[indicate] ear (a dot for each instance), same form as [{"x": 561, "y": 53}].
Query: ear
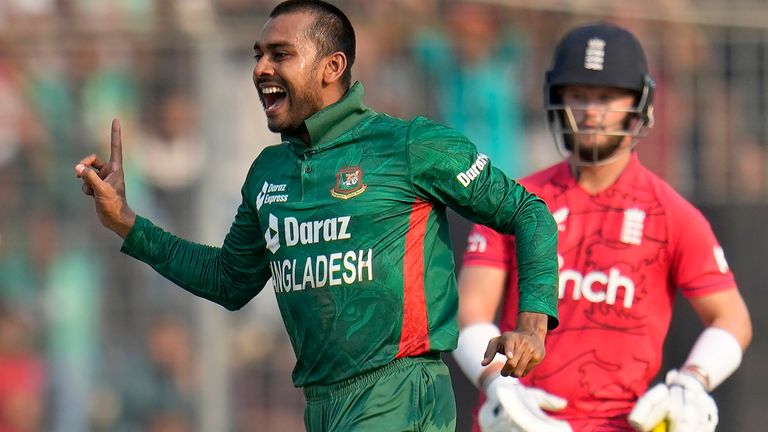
[{"x": 334, "y": 67}]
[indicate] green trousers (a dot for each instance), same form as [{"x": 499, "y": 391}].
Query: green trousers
[{"x": 407, "y": 395}]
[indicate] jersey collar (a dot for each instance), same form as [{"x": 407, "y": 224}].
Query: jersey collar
[
  {"x": 332, "y": 121},
  {"x": 627, "y": 177}
]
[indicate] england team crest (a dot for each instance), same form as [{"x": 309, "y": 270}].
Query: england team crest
[{"x": 349, "y": 183}]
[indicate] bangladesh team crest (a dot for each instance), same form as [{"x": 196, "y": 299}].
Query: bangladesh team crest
[{"x": 349, "y": 183}]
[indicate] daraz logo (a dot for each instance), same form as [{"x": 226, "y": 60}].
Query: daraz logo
[
  {"x": 466, "y": 177},
  {"x": 306, "y": 233},
  {"x": 272, "y": 236},
  {"x": 268, "y": 195}
]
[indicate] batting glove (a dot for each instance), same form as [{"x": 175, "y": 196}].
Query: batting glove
[
  {"x": 681, "y": 401},
  {"x": 513, "y": 407}
]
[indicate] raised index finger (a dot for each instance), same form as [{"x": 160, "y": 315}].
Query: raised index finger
[{"x": 116, "y": 150}]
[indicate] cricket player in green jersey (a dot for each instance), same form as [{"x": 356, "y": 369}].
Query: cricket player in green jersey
[{"x": 348, "y": 217}]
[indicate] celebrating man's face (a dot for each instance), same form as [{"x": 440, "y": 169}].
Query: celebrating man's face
[{"x": 286, "y": 73}]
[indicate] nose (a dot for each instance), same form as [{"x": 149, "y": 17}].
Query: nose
[
  {"x": 594, "y": 110},
  {"x": 592, "y": 106},
  {"x": 263, "y": 67}
]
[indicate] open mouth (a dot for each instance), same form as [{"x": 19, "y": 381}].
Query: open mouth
[{"x": 273, "y": 97}]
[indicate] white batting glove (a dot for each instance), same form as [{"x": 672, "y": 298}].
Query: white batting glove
[
  {"x": 682, "y": 402},
  {"x": 513, "y": 407}
]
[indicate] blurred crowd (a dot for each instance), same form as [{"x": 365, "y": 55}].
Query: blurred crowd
[{"x": 91, "y": 340}]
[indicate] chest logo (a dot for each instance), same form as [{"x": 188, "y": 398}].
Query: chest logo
[
  {"x": 349, "y": 183},
  {"x": 632, "y": 226}
]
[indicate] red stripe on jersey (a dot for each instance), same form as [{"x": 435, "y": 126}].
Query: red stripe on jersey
[{"x": 414, "y": 335}]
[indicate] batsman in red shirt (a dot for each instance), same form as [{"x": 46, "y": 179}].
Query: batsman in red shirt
[{"x": 627, "y": 242}]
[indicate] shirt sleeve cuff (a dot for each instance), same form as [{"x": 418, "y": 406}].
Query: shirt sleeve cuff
[
  {"x": 137, "y": 237},
  {"x": 543, "y": 308}
]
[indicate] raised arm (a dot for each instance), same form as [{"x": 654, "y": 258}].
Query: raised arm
[{"x": 230, "y": 275}]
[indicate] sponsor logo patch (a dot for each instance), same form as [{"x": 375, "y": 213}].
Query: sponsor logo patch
[
  {"x": 560, "y": 216},
  {"x": 722, "y": 264},
  {"x": 349, "y": 183},
  {"x": 477, "y": 243},
  {"x": 598, "y": 287},
  {"x": 271, "y": 193},
  {"x": 272, "y": 235},
  {"x": 466, "y": 177}
]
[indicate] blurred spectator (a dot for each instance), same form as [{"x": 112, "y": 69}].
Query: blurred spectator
[
  {"x": 238, "y": 8},
  {"x": 172, "y": 156},
  {"x": 107, "y": 84},
  {"x": 261, "y": 362},
  {"x": 391, "y": 86},
  {"x": 15, "y": 276},
  {"x": 115, "y": 15},
  {"x": 168, "y": 421},
  {"x": 49, "y": 88},
  {"x": 12, "y": 105},
  {"x": 159, "y": 384},
  {"x": 730, "y": 162},
  {"x": 474, "y": 68},
  {"x": 65, "y": 285},
  {"x": 22, "y": 374},
  {"x": 27, "y": 15}
]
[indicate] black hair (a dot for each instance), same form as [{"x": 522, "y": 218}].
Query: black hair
[{"x": 332, "y": 31}]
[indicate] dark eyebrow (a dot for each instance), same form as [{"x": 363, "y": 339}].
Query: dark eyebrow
[{"x": 271, "y": 46}]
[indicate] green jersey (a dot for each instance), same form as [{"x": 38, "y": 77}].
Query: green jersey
[{"x": 352, "y": 230}]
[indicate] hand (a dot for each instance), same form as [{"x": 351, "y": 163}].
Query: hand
[
  {"x": 524, "y": 346},
  {"x": 513, "y": 407},
  {"x": 682, "y": 402},
  {"x": 106, "y": 183}
]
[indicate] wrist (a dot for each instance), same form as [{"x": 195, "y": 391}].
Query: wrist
[
  {"x": 533, "y": 323},
  {"x": 716, "y": 354},
  {"x": 125, "y": 223},
  {"x": 698, "y": 373}
]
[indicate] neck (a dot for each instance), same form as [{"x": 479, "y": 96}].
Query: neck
[
  {"x": 595, "y": 179},
  {"x": 332, "y": 94}
]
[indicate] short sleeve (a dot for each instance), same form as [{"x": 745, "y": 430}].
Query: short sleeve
[{"x": 699, "y": 266}]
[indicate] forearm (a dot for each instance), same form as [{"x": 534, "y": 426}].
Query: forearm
[
  {"x": 718, "y": 349},
  {"x": 197, "y": 268},
  {"x": 715, "y": 355},
  {"x": 536, "y": 240}
]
